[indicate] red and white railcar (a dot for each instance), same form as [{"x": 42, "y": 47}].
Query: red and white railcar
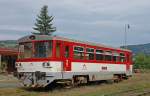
[{"x": 44, "y": 59}]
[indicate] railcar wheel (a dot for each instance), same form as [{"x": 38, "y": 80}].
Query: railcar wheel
[
  {"x": 110, "y": 81},
  {"x": 77, "y": 80},
  {"x": 118, "y": 78}
]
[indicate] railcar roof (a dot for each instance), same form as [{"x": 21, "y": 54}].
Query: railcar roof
[{"x": 47, "y": 37}]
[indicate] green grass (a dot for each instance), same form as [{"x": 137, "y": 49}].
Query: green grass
[{"x": 139, "y": 82}]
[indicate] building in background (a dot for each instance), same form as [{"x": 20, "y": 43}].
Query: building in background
[{"x": 8, "y": 57}]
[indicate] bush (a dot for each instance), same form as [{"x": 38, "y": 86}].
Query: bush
[
  {"x": 3, "y": 66},
  {"x": 142, "y": 61}
]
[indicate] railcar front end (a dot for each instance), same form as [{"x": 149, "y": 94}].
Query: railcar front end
[
  {"x": 36, "y": 66},
  {"x": 38, "y": 74}
]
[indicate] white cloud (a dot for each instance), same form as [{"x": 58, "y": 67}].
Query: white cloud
[
  {"x": 16, "y": 28},
  {"x": 9, "y": 37},
  {"x": 93, "y": 20}
]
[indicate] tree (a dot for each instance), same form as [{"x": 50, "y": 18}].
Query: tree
[
  {"x": 44, "y": 22},
  {"x": 139, "y": 61},
  {"x": 142, "y": 61}
]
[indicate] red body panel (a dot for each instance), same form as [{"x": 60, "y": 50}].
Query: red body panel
[{"x": 67, "y": 61}]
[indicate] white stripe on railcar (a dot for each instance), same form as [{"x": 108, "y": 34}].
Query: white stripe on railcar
[
  {"x": 96, "y": 67},
  {"x": 55, "y": 66}
]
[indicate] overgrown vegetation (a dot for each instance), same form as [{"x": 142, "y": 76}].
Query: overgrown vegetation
[{"x": 142, "y": 61}]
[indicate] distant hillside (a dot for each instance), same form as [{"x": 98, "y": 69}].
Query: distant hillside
[
  {"x": 8, "y": 43},
  {"x": 141, "y": 48}
]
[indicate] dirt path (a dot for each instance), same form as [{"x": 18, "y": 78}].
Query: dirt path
[
  {"x": 8, "y": 81},
  {"x": 9, "y": 85}
]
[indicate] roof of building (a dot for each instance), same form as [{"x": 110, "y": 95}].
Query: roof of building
[
  {"x": 8, "y": 51},
  {"x": 29, "y": 38}
]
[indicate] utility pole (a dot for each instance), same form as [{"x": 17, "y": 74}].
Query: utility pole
[
  {"x": 127, "y": 27},
  {"x": 0, "y": 62},
  {"x": 125, "y": 37}
]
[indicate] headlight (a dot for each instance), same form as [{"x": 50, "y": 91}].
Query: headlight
[
  {"x": 17, "y": 65},
  {"x": 46, "y": 65},
  {"x": 43, "y": 64}
]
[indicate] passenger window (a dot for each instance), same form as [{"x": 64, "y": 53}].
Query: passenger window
[
  {"x": 108, "y": 56},
  {"x": 115, "y": 56},
  {"x": 78, "y": 53},
  {"x": 122, "y": 57},
  {"x": 99, "y": 55},
  {"x": 89, "y": 54}
]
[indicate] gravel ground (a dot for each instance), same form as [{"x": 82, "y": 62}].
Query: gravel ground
[
  {"x": 8, "y": 81},
  {"x": 9, "y": 85}
]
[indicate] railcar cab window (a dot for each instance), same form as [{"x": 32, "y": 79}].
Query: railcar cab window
[
  {"x": 25, "y": 50},
  {"x": 108, "y": 55},
  {"x": 122, "y": 57},
  {"x": 37, "y": 49},
  {"x": 43, "y": 49},
  {"x": 115, "y": 56},
  {"x": 89, "y": 54},
  {"x": 99, "y": 54},
  {"x": 78, "y": 53}
]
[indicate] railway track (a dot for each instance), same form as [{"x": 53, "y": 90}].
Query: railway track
[
  {"x": 131, "y": 92},
  {"x": 145, "y": 93}
]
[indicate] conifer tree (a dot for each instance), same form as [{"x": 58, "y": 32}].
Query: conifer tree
[{"x": 43, "y": 23}]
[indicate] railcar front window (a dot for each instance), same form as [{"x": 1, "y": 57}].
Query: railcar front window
[
  {"x": 36, "y": 50},
  {"x": 42, "y": 49},
  {"x": 25, "y": 50}
]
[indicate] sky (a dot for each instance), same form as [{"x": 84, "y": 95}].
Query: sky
[{"x": 100, "y": 21}]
